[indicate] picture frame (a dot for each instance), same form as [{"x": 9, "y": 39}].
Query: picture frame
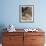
[{"x": 26, "y": 13}]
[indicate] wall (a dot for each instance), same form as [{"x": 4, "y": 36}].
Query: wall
[{"x": 10, "y": 13}]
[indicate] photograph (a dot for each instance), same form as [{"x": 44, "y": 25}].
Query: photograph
[{"x": 26, "y": 13}]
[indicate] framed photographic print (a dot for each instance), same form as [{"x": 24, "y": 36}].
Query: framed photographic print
[{"x": 26, "y": 13}]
